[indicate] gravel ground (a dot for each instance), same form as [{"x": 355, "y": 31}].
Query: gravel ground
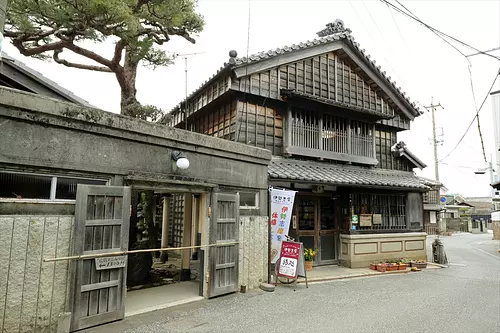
[{"x": 462, "y": 298}]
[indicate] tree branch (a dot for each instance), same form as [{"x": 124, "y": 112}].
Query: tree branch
[
  {"x": 89, "y": 54},
  {"x": 31, "y": 51},
  {"x": 117, "y": 57},
  {"x": 80, "y": 66}
]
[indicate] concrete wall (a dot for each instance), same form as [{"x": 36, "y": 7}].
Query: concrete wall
[
  {"x": 33, "y": 293},
  {"x": 495, "y": 225},
  {"x": 457, "y": 224},
  {"x": 359, "y": 251},
  {"x": 253, "y": 267},
  {"x": 46, "y": 134}
]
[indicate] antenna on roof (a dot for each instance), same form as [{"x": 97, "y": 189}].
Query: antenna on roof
[{"x": 185, "y": 56}]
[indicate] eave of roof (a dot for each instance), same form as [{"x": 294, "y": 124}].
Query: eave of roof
[
  {"x": 401, "y": 150},
  {"x": 345, "y": 35},
  {"x": 37, "y": 76},
  {"x": 343, "y": 175}
]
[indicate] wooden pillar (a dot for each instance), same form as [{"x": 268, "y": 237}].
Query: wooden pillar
[
  {"x": 164, "y": 228},
  {"x": 186, "y": 237}
]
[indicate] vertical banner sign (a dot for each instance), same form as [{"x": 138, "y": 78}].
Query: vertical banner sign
[
  {"x": 289, "y": 259},
  {"x": 281, "y": 213}
]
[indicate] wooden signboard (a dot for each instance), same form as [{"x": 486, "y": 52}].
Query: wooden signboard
[
  {"x": 365, "y": 220},
  {"x": 377, "y": 219}
]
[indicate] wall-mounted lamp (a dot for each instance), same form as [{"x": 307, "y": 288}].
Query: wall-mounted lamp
[{"x": 180, "y": 159}]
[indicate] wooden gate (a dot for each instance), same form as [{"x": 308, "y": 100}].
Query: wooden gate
[
  {"x": 102, "y": 218},
  {"x": 224, "y": 229}
]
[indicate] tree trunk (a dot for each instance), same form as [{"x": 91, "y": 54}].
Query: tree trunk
[{"x": 126, "y": 77}]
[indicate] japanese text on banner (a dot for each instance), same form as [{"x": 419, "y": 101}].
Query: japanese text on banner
[{"x": 281, "y": 213}]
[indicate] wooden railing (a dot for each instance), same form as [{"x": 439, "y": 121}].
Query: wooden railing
[{"x": 332, "y": 135}]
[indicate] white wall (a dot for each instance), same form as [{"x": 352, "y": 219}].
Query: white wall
[
  {"x": 33, "y": 293},
  {"x": 495, "y": 103},
  {"x": 432, "y": 216}
]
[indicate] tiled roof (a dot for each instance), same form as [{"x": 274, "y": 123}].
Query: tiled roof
[
  {"x": 37, "y": 76},
  {"x": 400, "y": 149},
  {"x": 345, "y": 36},
  {"x": 319, "y": 172},
  {"x": 430, "y": 182}
]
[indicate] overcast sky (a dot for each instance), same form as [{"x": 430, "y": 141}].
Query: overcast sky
[{"x": 421, "y": 63}]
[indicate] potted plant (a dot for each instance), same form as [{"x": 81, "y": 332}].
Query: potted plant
[
  {"x": 373, "y": 266},
  {"x": 381, "y": 267},
  {"x": 392, "y": 267},
  {"x": 419, "y": 264},
  {"x": 309, "y": 255}
]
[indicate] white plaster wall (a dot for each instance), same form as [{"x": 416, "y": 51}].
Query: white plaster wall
[
  {"x": 253, "y": 250},
  {"x": 33, "y": 293}
]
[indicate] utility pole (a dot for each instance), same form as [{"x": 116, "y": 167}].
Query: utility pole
[{"x": 435, "y": 142}]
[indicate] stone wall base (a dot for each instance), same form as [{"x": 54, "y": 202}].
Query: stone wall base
[
  {"x": 358, "y": 251},
  {"x": 496, "y": 230}
]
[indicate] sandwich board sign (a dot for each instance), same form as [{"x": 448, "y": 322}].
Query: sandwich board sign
[{"x": 291, "y": 262}]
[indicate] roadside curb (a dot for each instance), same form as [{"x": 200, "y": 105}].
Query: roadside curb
[
  {"x": 437, "y": 265},
  {"x": 345, "y": 277}
]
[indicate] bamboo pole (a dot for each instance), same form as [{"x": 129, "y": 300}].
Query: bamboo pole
[{"x": 120, "y": 253}]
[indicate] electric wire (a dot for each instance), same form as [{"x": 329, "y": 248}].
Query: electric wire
[
  {"x": 473, "y": 119},
  {"x": 414, "y": 17}
]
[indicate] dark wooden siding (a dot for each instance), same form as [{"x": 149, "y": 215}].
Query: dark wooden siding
[
  {"x": 260, "y": 126},
  {"x": 326, "y": 76},
  {"x": 219, "y": 121},
  {"x": 384, "y": 140},
  {"x": 201, "y": 99}
]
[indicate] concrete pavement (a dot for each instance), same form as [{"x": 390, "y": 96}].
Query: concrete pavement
[{"x": 462, "y": 298}]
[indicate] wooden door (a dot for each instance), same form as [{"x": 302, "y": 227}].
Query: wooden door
[
  {"x": 102, "y": 218},
  {"x": 224, "y": 260}
]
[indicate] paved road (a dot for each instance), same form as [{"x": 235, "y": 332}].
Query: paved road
[{"x": 462, "y": 298}]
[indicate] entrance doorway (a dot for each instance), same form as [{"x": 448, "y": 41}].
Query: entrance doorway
[
  {"x": 162, "y": 219},
  {"x": 317, "y": 226}
]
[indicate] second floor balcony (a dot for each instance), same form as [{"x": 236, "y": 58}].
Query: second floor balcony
[{"x": 327, "y": 136}]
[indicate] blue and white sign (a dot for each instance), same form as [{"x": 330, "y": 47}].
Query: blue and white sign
[{"x": 443, "y": 199}]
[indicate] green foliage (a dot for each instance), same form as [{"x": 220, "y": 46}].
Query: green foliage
[{"x": 44, "y": 28}]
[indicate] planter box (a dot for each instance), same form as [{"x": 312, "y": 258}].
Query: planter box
[
  {"x": 402, "y": 267},
  {"x": 393, "y": 268},
  {"x": 419, "y": 264},
  {"x": 373, "y": 266},
  {"x": 381, "y": 267}
]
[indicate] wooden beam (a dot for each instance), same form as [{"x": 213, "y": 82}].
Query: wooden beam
[
  {"x": 328, "y": 155},
  {"x": 285, "y": 58}
]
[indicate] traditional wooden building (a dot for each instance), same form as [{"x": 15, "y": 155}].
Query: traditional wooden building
[{"x": 330, "y": 116}]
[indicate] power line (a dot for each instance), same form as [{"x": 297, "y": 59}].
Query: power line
[
  {"x": 473, "y": 119},
  {"x": 436, "y": 31},
  {"x": 389, "y": 63}
]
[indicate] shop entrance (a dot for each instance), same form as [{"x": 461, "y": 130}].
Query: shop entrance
[{"x": 316, "y": 225}]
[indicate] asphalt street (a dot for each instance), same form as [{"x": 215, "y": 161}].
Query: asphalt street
[{"x": 465, "y": 297}]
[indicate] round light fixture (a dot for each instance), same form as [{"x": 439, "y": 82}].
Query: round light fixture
[{"x": 182, "y": 163}]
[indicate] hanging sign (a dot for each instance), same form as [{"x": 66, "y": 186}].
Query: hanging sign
[
  {"x": 110, "y": 262},
  {"x": 289, "y": 259},
  {"x": 281, "y": 213}
]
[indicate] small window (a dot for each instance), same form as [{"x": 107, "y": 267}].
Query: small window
[
  {"x": 45, "y": 187},
  {"x": 249, "y": 200},
  {"x": 24, "y": 186}
]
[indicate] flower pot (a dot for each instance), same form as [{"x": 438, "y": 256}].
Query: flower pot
[
  {"x": 392, "y": 268},
  {"x": 402, "y": 267},
  {"x": 308, "y": 265},
  {"x": 419, "y": 264},
  {"x": 381, "y": 267},
  {"x": 373, "y": 266}
]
